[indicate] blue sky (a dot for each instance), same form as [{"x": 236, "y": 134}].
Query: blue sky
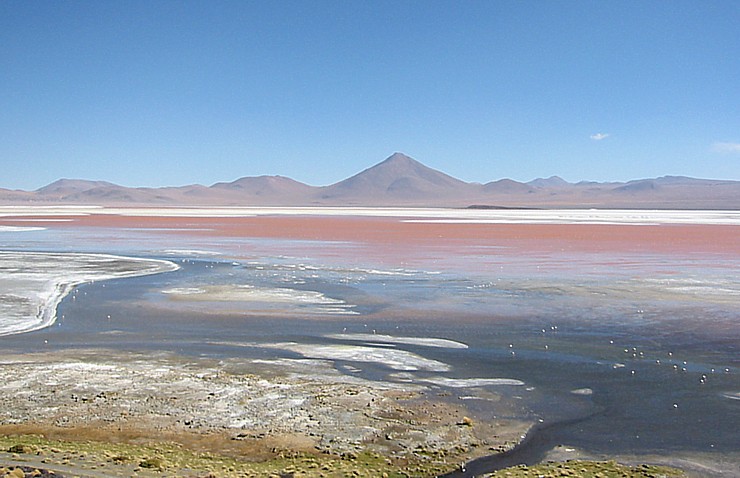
[{"x": 145, "y": 93}]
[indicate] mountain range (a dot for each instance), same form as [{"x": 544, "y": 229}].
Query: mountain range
[{"x": 398, "y": 181}]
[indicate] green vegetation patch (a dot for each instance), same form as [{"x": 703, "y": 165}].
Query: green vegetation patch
[
  {"x": 589, "y": 469},
  {"x": 168, "y": 459},
  {"x": 160, "y": 459}
]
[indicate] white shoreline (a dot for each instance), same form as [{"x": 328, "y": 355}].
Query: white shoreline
[
  {"x": 55, "y": 288},
  {"x": 415, "y": 214},
  {"x": 21, "y": 228}
]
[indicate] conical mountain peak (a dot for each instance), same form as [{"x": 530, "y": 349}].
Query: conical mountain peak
[
  {"x": 398, "y": 177},
  {"x": 399, "y": 158},
  {"x": 399, "y": 165}
]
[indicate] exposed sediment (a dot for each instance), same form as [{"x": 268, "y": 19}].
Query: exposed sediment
[{"x": 248, "y": 410}]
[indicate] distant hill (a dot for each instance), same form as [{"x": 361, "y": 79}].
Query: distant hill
[
  {"x": 398, "y": 181},
  {"x": 66, "y": 187},
  {"x": 506, "y": 186},
  {"x": 265, "y": 189},
  {"x": 551, "y": 182}
]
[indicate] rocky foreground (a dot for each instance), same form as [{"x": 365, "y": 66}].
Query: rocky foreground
[{"x": 150, "y": 415}]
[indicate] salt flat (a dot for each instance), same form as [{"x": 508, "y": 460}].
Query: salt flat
[
  {"x": 33, "y": 283},
  {"x": 440, "y": 215}
]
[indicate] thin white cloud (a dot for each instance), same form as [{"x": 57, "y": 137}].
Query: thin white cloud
[
  {"x": 726, "y": 148},
  {"x": 599, "y": 136}
]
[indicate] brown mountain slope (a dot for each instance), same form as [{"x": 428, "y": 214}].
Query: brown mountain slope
[
  {"x": 66, "y": 187},
  {"x": 265, "y": 190}
]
